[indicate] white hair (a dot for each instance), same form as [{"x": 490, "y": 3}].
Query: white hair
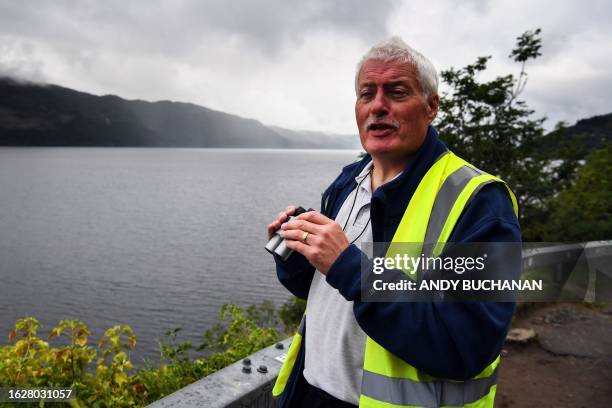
[{"x": 396, "y": 50}]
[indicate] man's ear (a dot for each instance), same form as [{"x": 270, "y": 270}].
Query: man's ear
[{"x": 433, "y": 103}]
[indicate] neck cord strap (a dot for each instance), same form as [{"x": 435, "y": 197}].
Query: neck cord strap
[{"x": 353, "y": 206}]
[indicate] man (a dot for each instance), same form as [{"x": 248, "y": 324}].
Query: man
[{"x": 393, "y": 354}]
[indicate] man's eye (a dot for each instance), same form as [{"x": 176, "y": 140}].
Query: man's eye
[
  {"x": 399, "y": 92},
  {"x": 366, "y": 94}
]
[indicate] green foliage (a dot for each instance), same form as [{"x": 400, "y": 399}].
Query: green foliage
[
  {"x": 291, "y": 313},
  {"x": 176, "y": 368},
  {"x": 583, "y": 211},
  {"x": 237, "y": 335},
  {"x": 263, "y": 314},
  {"x": 486, "y": 123},
  {"x": 29, "y": 361},
  {"x": 528, "y": 46},
  {"x": 102, "y": 375},
  {"x": 565, "y": 158}
]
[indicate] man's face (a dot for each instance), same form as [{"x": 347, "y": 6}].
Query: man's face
[{"x": 391, "y": 110}]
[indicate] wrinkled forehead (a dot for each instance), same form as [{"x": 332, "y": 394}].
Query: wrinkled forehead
[{"x": 379, "y": 71}]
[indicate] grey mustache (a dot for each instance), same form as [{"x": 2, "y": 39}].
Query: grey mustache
[{"x": 373, "y": 121}]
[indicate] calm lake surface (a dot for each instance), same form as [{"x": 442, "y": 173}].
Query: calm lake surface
[{"x": 152, "y": 238}]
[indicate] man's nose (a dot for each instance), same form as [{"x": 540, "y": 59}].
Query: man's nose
[{"x": 380, "y": 104}]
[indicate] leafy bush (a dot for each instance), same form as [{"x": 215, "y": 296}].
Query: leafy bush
[
  {"x": 235, "y": 337},
  {"x": 583, "y": 210},
  {"x": 487, "y": 123},
  {"x": 291, "y": 312},
  {"x": 103, "y": 375},
  {"x": 31, "y": 362}
]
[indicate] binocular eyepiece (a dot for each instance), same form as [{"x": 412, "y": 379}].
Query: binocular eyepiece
[{"x": 277, "y": 244}]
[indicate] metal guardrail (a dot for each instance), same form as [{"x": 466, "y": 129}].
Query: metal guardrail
[
  {"x": 235, "y": 386},
  {"x": 591, "y": 258},
  {"x": 242, "y": 385}
]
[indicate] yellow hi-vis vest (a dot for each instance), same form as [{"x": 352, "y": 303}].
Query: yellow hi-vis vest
[{"x": 431, "y": 215}]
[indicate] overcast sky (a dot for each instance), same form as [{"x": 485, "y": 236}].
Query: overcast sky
[{"x": 291, "y": 63}]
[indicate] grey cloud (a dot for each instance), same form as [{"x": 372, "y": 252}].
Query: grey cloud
[
  {"x": 17, "y": 60},
  {"x": 571, "y": 99},
  {"x": 176, "y": 28},
  {"x": 23, "y": 70},
  {"x": 251, "y": 57},
  {"x": 568, "y": 27},
  {"x": 272, "y": 24}
]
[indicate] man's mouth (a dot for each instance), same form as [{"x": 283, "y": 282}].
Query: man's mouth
[
  {"x": 381, "y": 126},
  {"x": 381, "y": 129}
]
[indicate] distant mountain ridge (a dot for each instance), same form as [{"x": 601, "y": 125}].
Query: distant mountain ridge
[
  {"x": 51, "y": 115},
  {"x": 587, "y": 134}
]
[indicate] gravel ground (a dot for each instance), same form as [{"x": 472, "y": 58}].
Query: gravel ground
[{"x": 567, "y": 364}]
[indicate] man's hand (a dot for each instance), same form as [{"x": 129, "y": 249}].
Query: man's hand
[
  {"x": 324, "y": 243},
  {"x": 280, "y": 218}
]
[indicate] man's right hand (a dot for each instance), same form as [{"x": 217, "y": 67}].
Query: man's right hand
[{"x": 282, "y": 217}]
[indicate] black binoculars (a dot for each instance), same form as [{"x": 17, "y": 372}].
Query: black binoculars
[{"x": 277, "y": 244}]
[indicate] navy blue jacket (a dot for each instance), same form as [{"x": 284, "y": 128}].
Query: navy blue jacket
[{"x": 444, "y": 339}]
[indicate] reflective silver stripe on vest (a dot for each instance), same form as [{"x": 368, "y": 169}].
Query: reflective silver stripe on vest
[
  {"x": 432, "y": 394},
  {"x": 448, "y": 194}
]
